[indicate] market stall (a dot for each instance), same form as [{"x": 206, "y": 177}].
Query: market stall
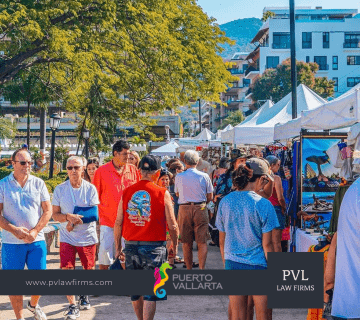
[
  {"x": 169, "y": 149},
  {"x": 258, "y": 128}
]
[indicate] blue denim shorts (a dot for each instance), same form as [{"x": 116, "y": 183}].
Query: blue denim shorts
[
  {"x": 281, "y": 218},
  {"x": 233, "y": 265},
  {"x": 144, "y": 257},
  {"x": 16, "y": 256}
]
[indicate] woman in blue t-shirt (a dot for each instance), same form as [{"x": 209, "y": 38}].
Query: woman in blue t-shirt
[{"x": 245, "y": 221}]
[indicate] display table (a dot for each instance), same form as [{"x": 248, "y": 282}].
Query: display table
[{"x": 304, "y": 240}]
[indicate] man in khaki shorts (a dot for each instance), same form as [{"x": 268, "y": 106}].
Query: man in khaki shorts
[{"x": 195, "y": 190}]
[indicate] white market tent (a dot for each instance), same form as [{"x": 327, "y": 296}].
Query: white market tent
[
  {"x": 219, "y": 132},
  {"x": 338, "y": 113},
  {"x": 168, "y": 149},
  {"x": 205, "y": 135},
  {"x": 258, "y": 128}
]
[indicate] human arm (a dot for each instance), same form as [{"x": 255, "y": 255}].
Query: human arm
[
  {"x": 18, "y": 232},
  {"x": 44, "y": 219},
  {"x": 65, "y": 217},
  {"x": 266, "y": 189},
  {"x": 118, "y": 232},
  {"x": 222, "y": 245},
  {"x": 171, "y": 221},
  {"x": 209, "y": 189},
  {"x": 329, "y": 276},
  {"x": 280, "y": 193},
  {"x": 267, "y": 243}
]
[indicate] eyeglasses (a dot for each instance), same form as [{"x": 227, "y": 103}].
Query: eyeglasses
[
  {"x": 24, "y": 163},
  {"x": 75, "y": 167}
]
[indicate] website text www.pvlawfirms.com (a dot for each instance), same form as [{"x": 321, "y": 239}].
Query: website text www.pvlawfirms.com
[{"x": 74, "y": 282}]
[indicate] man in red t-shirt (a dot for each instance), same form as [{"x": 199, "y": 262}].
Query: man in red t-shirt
[
  {"x": 110, "y": 181},
  {"x": 143, "y": 214}
]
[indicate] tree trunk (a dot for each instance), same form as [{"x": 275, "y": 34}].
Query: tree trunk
[
  {"x": 42, "y": 130},
  {"x": 28, "y": 126}
]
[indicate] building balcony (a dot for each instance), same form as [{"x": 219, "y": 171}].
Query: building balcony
[
  {"x": 233, "y": 101},
  {"x": 236, "y": 71},
  {"x": 251, "y": 72},
  {"x": 323, "y": 67},
  {"x": 352, "y": 43},
  {"x": 281, "y": 45}
]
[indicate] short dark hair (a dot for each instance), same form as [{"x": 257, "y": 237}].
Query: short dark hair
[
  {"x": 120, "y": 145},
  {"x": 13, "y": 157}
]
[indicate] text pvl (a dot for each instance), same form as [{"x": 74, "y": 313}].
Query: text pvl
[{"x": 295, "y": 275}]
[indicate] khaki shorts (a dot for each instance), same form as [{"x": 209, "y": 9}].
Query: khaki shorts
[{"x": 193, "y": 223}]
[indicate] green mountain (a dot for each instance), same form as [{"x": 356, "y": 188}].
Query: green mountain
[{"x": 242, "y": 31}]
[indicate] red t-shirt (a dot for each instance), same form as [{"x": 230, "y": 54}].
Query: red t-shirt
[
  {"x": 110, "y": 185},
  {"x": 144, "y": 212}
]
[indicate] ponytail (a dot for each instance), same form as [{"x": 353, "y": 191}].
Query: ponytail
[{"x": 241, "y": 177}]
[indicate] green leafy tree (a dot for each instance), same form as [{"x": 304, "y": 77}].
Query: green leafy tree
[
  {"x": 144, "y": 56},
  {"x": 275, "y": 84},
  {"x": 29, "y": 86},
  {"x": 267, "y": 15},
  {"x": 7, "y": 129},
  {"x": 234, "y": 118}
]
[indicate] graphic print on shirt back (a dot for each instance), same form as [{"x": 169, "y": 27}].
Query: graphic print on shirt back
[{"x": 139, "y": 208}]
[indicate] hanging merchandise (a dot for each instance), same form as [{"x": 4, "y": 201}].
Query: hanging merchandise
[{"x": 356, "y": 156}]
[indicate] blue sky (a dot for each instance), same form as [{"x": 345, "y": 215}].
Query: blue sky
[{"x": 229, "y": 10}]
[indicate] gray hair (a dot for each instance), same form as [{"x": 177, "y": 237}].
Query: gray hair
[
  {"x": 191, "y": 157},
  {"x": 272, "y": 160},
  {"x": 84, "y": 161},
  {"x": 74, "y": 158}
]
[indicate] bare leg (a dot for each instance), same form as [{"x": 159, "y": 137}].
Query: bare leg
[
  {"x": 17, "y": 305},
  {"x": 276, "y": 239},
  {"x": 103, "y": 267},
  {"x": 238, "y": 306},
  {"x": 71, "y": 299},
  {"x": 34, "y": 300},
  {"x": 250, "y": 308},
  {"x": 138, "y": 308},
  {"x": 149, "y": 310},
  {"x": 188, "y": 255},
  {"x": 202, "y": 254},
  {"x": 260, "y": 307}
]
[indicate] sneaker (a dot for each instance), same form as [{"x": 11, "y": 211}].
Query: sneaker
[
  {"x": 37, "y": 312},
  {"x": 84, "y": 303},
  {"x": 72, "y": 312}
]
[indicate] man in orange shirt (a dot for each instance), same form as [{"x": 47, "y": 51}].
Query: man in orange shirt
[{"x": 110, "y": 181}]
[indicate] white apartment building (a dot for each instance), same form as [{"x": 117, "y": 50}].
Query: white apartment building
[
  {"x": 236, "y": 96},
  {"x": 329, "y": 37}
]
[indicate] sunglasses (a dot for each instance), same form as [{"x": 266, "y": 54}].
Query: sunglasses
[
  {"x": 75, "y": 167},
  {"x": 24, "y": 163}
]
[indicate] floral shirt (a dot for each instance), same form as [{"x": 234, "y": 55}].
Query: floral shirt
[{"x": 223, "y": 185}]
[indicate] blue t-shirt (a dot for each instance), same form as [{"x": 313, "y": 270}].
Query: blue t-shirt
[{"x": 244, "y": 216}]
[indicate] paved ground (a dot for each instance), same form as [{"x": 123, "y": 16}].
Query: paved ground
[{"x": 114, "y": 307}]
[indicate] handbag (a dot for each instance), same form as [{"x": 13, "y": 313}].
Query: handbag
[
  {"x": 90, "y": 214},
  {"x": 116, "y": 265}
]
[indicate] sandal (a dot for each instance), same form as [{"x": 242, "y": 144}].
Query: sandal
[
  {"x": 178, "y": 259},
  {"x": 194, "y": 265}
]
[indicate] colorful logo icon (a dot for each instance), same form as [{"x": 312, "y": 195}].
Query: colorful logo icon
[{"x": 160, "y": 278}]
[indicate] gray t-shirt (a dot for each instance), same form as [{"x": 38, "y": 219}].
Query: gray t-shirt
[
  {"x": 244, "y": 216},
  {"x": 85, "y": 196},
  {"x": 22, "y": 206}
]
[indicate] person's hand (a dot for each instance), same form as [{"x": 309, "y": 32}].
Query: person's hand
[
  {"x": 21, "y": 232},
  {"x": 74, "y": 218},
  {"x": 120, "y": 255},
  {"x": 69, "y": 227},
  {"x": 30, "y": 238}
]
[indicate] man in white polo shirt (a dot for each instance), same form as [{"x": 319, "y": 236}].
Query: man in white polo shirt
[
  {"x": 26, "y": 209},
  {"x": 195, "y": 190}
]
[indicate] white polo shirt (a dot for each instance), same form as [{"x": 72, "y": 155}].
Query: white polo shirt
[
  {"x": 22, "y": 206},
  {"x": 192, "y": 186}
]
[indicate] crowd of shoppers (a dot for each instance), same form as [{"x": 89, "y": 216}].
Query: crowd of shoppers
[{"x": 118, "y": 199}]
